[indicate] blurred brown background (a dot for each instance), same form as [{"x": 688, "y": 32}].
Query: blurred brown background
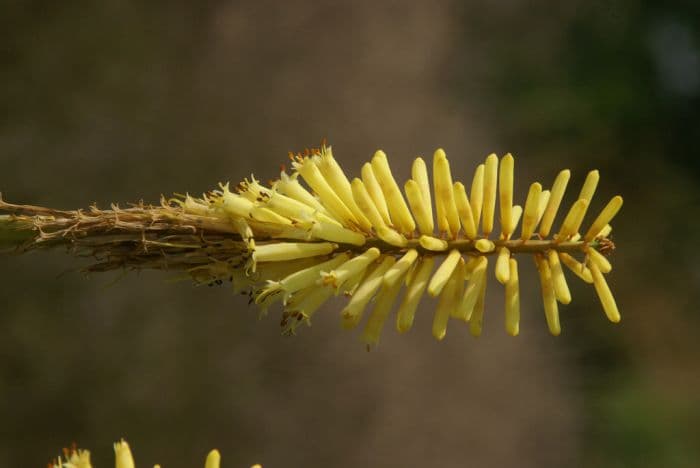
[{"x": 117, "y": 101}]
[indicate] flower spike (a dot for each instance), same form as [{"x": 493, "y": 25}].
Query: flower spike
[{"x": 315, "y": 233}]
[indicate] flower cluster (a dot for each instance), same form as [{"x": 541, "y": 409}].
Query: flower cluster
[
  {"x": 77, "y": 458},
  {"x": 371, "y": 241}
]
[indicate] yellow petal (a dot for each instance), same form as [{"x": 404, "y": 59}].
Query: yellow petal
[
  {"x": 465, "y": 210},
  {"x": 309, "y": 170},
  {"x": 122, "y": 455},
  {"x": 366, "y": 204},
  {"x": 599, "y": 259},
  {"x": 573, "y": 219},
  {"x": 448, "y": 302},
  {"x": 476, "y": 197},
  {"x": 382, "y": 307},
  {"x": 505, "y": 189},
  {"x": 400, "y": 268},
  {"x": 282, "y": 251},
  {"x": 603, "y": 290},
  {"x": 433, "y": 243},
  {"x": 213, "y": 459},
  {"x": 476, "y": 321},
  {"x": 419, "y": 173},
  {"x": 605, "y": 216},
  {"x": 589, "y": 186},
  {"x": 341, "y": 274},
  {"x": 490, "y": 187},
  {"x": 503, "y": 265},
  {"x": 561, "y": 289},
  {"x": 530, "y": 214},
  {"x": 551, "y": 310},
  {"x": 416, "y": 289},
  {"x": 557, "y": 194},
  {"x": 542, "y": 204},
  {"x": 513, "y": 300},
  {"x": 375, "y": 191},
  {"x": 421, "y": 211},
  {"x": 443, "y": 273},
  {"x": 398, "y": 209},
  {"x": 352, "y": 313},
  {"x": 447, "y": 216},
  {"x": 485, "y": 246},
  {"x": 473, "y": 289},
  {"x": 577, "y": 268}
]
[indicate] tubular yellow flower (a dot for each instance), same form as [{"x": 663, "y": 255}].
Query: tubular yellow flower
[
  {"x": 603, "y": 291},
  {"x": 513, "y": 300},
  {"x": 503, "y": 265},
  {"x": 505, "y": 188},
  {"x": 416, "y": 289},
  {"x": 420, "y": 209},
  {"x": 530, "y": 214},
  {"x": 213, "y": 459},
  {"x": 551, "y": 311},
  {"x": 465, "y": 210},
  {"x": 447, "y": 217},
  {"x": 561, "y": 289},
  {"x": 375, "y": 191},
  {"x": 555, "y": 198},
  {"x": 297, "y": 246},
  {"x": 604, "y": 218},
  {"x": 443, "y": 273},
  {"x": 397, "y": 205},
  {"x": 122, "y": 455},
  {"x": 490, "y": 183},
  {"x": 476, "y": 197},
  {"x": 419, "y": 173}
]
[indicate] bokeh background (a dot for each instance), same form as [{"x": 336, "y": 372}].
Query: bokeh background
[{"x": 118, "y": 101}]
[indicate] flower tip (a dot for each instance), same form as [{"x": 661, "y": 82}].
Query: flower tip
[
  {"x": 439, "y": 153},
  {"x": 213, "y": 459}
]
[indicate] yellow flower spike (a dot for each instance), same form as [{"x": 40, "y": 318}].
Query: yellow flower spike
[
  {"x": 445, "y": 207},
  {"x": 401, "y": 267},
  {"x": 340, "y": 275},
  {"x": 308, "y": 169},
  {"x": 605, "y": 232},
  {"x": 561, "y": 288},
  {"x": 398, "y": 209},
  {"x": 573, "y": 220},
  {"x": 460, "y": 277},
  {"x": 351, "y": 237},
  {"x": 282, "y": 251},
  {"x": 476, "y": 197},
  {"x": 490, "y": 187},
  {"x": 605, "y": 216},
  {"x": 337, "y": 179},
  {"x": 476, "y": 321},
  {"x": 465, "y": 210},
  {"x": 385, "y": 300},
  {"x": 484, "y": 246},
  {"x": 421, "y": 210},
  {"x": 473, "y": 289},
  {"x": 530, "y": 214},
  {"x": 419, "y": 173},
  {"x": 416, "y": 289},
  {"x": 505, "y": 189},
  {"x": 542, "y": 204},
  {"x": 603, "y": 290},
  {"x": 503, "y": 265},
  {"x": 443, "y": 273},
  {"x": 577, "y": 268},
  {"x": 555, "y": 198},
  {"x": 352, "y": 313},
  {"x": 213, "y": 459},
  {"x": 433, "y": 243},
  {"x": 589, "y": 186},
  {"x": 122, "y": 455},
  {"x": 599, "y": 259},
  {"x": 448, "y": 302},
  {"x": 513, "y": 300},
  {"x": 375, "y": 192},
  {"x": 551, "y": 310}
]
